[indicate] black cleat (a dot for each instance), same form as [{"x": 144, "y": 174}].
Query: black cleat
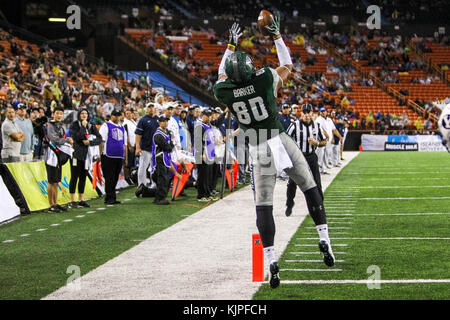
[
  {"x": 289, "y": 207},
  {"x": 61, "y": 208},
  {"x": 139, "y": 190},
  {"x": 328, "y": 257},
  {"x": 274, "y": 275},
  {"x": 54, "y": 209}
]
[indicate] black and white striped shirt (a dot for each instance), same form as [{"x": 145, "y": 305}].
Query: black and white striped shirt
[{"x": 301, "y": 131}]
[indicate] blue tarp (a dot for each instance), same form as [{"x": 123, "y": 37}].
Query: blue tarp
[{"x": 159, "y": 81}]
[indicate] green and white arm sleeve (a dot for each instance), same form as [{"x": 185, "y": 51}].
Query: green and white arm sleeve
[{"x": 222, "y": 63}]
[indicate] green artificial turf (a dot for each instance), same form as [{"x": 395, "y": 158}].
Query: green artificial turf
[
  {"x": 32, "y": 267},
  {"x": 420, "y": 175}
]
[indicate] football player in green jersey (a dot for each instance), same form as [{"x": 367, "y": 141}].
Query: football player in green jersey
[{"x": 251, "y": 96}]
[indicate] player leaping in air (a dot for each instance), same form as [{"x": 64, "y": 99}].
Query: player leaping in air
[{"x": 252, "y": 97}]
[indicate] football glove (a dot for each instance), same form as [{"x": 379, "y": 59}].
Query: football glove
[
  {"x": 235, "y": 34},
  {"x": 274, "y": 28}
]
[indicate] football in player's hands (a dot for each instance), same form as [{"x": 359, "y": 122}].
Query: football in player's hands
[{"x": 263, "y": 21}]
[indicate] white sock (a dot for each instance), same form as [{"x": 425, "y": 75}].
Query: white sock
[
  {"x": 322, "y": 229},
  {"x": 269, "y": 253}
]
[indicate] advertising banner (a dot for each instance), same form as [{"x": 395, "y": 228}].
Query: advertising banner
[
  {"x": 430, "y": 144},
  {"x": 424, "y": 143},
  {"x": 32, "y": 180},
  {"x": 8, "y": 207}
]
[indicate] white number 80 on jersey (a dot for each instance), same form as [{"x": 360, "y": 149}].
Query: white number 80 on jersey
[{"x": 257, "y": 108}]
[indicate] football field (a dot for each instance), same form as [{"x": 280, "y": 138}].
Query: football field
[{"x": 389, "y": 221}]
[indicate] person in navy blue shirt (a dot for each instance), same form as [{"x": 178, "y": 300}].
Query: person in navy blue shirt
[
  {"x": 285, "y": 116},
  {"x": 190, "y": 121},
  {"x": 336, "y": 150},
  {"x": 145, "y": 130}
]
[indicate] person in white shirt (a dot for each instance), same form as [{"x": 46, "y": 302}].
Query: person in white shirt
[
  {"x": 130, "y": 127},
  {"x": 321, "y": 120}
]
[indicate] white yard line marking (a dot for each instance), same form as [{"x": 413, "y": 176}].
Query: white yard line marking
[
  {"x": 389, "y": 178},
  {"x": 315, "y": 245},
  {"x": 345, "y": 218},
  {"x": 8, "y": 241},
  {"x": 331, "y": 231},
  {"x": 388, "y": 214},
  {"x": 309, "y": 261},
  {"x": 407, "y": 198},
  {"x": 341, "y": 222},
  {"x": 108, "y": 205},
  {"x": 54, "y": 225},
  {"x": 126, "y": 199},
  {"x": 90, "y": 212},
  {"x": 333, "y": 227},
  {"x": 397, "y": 173},
  {"x": 313, "y": 270},
  {"x": 101, "y": 208},
  {"x": 40, "y": 230},
  {"x": 366, "y": 281},
  {"x": 80, "y": 216},
  {"x": 391, "y": 238},
  {"x": 25, "y": 235},
  {"x": 315, "y": 252},
  {"x": 392, "y": 187},
  {"x": 68, "y": 220}
]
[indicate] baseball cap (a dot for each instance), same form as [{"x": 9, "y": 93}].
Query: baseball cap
[
  {"x": 294, "y": 106},
  {"x": 207, "y": 112},
  {"x": 285, "y": 105},
  {"x": 22, "y": 106},
  {"x": 307, "y": 107},
  {"x": 192, "y": 107},
  {"x": 116, "y": 113},
  {"x": 323, "y": 109},
  {"x": 150, "y": 104},
  {"x": 162, "y": 118}
]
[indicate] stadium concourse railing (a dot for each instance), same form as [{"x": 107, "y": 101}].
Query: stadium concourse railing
[{"x": 392, "y": 92}]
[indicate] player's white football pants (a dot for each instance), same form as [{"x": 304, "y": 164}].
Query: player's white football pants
[
  {"x": 336, "y": 154},
  {"x": 145, "y": 163}
]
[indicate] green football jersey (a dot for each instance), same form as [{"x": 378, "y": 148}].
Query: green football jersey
[{"x": 255, "y": 103}]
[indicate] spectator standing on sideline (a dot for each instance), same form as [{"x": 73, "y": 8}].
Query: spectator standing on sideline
[
  {"x": 191, "y": 118},
  {"x": 145, "y": 130},
  {"x": 113, "y": 153},
  {"x": 321, "y": 120},
  {"x": 85, "y": 135},
  {"x": 130, "y": 127},
  {"x": 25, "y": 125},
  {"x": 346, "y": 125},
  {"x": 162, "y": 148},
  {"x": 337, "y": 141},
  {"x": 12, "y": 137},
  {"x": 308, "y": 135},
  {"x": 331, "y": 131},
  {"x": 285, "y": 116},
  {"x": 57, "y": 154}
]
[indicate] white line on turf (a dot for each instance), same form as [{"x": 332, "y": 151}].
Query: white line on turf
[
  {"x": 341, "y": 222},
  {"x": 307, "y": 261},
  {"x": 315, "y": 252},
  {"x": 407, "y": 198},
  {"x": 388, "y": 214},
  {"x": 391, "y": 187},
  {"x": 389, "y": 178},
  {"x": 8, "y": 241},
  {"x": 333, "y": 227},
  {"x": 25, "y": 235},
  {"x": 80, "y": 216},
  {"x": 389, "y": 173},
  {"x": 40, "y": 230},
  {"x": 315, "y": 245},
  {"x": 313, "y": 270},
  {"x": 90, "y": 212},
  {"x": 54, "y": 225},
  {"x": 389, "y": 238},
  {"x": 330, "y": 232},
  {"x": 68, "y": 220},
  {"x": 101, "y": 208},
  {"x": 366, "y": 281}
]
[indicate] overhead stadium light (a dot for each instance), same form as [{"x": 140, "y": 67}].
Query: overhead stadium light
[{"x": 57, "y": 19}]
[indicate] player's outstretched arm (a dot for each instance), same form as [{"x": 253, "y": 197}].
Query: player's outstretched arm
[
  {"x": 235, "y": 34},
  {"x": 285, "y": 68}
]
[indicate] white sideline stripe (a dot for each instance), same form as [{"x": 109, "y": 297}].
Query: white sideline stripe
[
  {"x": 366, "y": 281},
  {"x": 388, "y": 178},
  {"x": 341, "y": 222},
  {"x": 90, "y": 212},
  {"x": 391, "y": 187},
  {"x": 346, "y": 218},
  {"x": 101, "y": 208},
  {"x": 333, "y": 227},
  {"x": 313, "y": 270},
  {"x": 68, "y": 220},
  {"x": 80, "y": 216},
  {"x": 309, "y": 261},
  {"x": 388, "y": 214},
  {"x": 329, "y": 230},
  {"x": 388, "y": 173},
  {"x": 39, "y": 230},
  {"x": 55, "y": 225},
  {"x": 315, "y": 252},
  {"x": 392, "y": 238},
  {"x": 407, "y": 198},
  {"x": 108, "y": 205},
  {"x": 25, "y": 235},
  {"x": 8, "y": 241},
  {"x": 315, "y": 245}
]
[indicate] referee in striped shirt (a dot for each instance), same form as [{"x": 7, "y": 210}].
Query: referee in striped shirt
[{"x": 308, "y": 136}]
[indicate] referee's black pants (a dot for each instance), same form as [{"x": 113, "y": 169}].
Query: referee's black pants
[
  {"x": 313, "y": 163},
  {"x": 111, "y": 168},
  {"x": 203, "y": 184}
]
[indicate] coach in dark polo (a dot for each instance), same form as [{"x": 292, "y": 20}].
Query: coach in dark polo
[{"x": 114, "y": 152}]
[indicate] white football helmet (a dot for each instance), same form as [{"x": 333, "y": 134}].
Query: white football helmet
[{"x": 444, "y": 126}]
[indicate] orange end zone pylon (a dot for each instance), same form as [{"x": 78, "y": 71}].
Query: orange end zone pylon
[{"x": 258, "y": 258}]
